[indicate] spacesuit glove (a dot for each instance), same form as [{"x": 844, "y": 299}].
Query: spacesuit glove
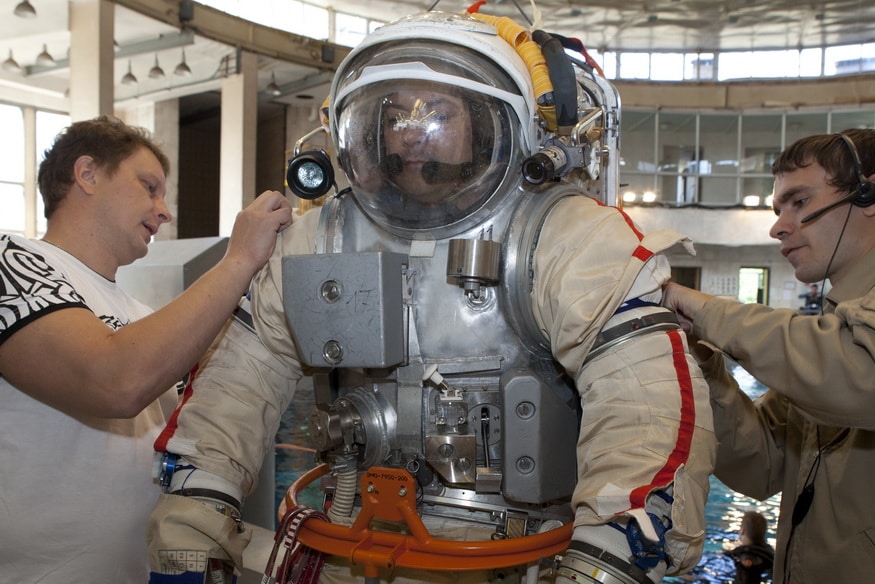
[{"x": 185, "y": 533}]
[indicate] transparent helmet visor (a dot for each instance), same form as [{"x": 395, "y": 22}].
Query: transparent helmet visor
[{"x": 421, "y": 154}]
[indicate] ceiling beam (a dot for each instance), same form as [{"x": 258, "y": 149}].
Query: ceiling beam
[
  {"x": 308, "y": 82},
  {"x": 165, "y": 41},
  {"x": 236, "y": 32}
]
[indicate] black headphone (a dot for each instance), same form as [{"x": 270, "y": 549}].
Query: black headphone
[{"x": 864, "y": 193}]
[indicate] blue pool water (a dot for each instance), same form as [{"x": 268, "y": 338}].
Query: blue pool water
[{"x": 723, "y": 511}]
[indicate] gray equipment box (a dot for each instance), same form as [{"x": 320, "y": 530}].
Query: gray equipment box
[{"x": 346, "y": 310}]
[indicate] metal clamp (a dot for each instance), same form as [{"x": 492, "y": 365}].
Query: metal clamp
[{"x": 631, "y": 328}]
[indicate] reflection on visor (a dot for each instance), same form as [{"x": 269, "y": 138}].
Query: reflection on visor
[
  {"x": 425, "y": 116},
  {"x": 422, "y": 155}
]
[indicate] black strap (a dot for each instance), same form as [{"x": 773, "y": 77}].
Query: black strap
[{"x": 209, "y": 494}]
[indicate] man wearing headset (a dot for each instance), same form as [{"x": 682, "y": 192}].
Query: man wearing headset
[{"x": 812, "y": 435}]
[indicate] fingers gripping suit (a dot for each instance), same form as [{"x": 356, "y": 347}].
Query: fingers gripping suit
[{"x": 521, "y": 368}]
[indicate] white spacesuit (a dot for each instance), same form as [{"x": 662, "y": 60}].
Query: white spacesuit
[{"x": 474, "y": 316}]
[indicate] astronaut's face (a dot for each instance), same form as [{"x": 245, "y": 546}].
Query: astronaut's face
[{"x": 428, "y": 143}]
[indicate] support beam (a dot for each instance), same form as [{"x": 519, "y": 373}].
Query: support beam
[
  {"x": 92, "y": 58},
  {"x": 236, "y": 32}
]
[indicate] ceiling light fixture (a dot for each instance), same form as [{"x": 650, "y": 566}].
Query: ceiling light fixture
[
  {"x": 45, "y": 58},
  {"x": 24, "y": 9},
  {"x": 129, "y": 78},
  {"x": 11, "y": 64},
  {"x": 183, "y": 70},
  {"x": 272, "y": 88},
  {"x": 156, "y": 72}
]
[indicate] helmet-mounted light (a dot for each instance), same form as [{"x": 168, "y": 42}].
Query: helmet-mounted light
[{"x": 310, "y": 174}]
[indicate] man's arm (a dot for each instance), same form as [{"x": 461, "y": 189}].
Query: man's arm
[
  {"x": 70, "y": 360},
  {"x": 750, "y": 435},
  {"x": 823, "y": 364}
]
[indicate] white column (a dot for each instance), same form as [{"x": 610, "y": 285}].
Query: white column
[
  {"x": 91, "y": 58},
  {"x": 238, "y": 135},
  {"x": 30, "y": 186},
  {"x": 161, "y": 118}
]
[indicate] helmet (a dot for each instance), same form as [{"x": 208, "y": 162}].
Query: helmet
[{"x": 431, "y": 117}]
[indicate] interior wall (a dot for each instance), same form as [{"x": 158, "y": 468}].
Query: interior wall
[
  {"x": 199, "y": 142},
  {"x": 270, "y": 163},
  {"x": 719, "y": 265},
  {"x": 845, "y": 90},
  {"x": 199, "y": 155}
]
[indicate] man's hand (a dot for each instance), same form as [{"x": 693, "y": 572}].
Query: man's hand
[
  {"x": 686, "y": 302},
  {"x": 255, "y": 228}
]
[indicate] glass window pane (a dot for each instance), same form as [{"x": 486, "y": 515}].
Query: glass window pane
[
  {"x": 718, "y": 191},
  {"x": 307, "y": 20},
  {"x": 667, "y": 66},
  {"x": 774, "y": 64},
  {"x": 810, "y": 62},
  {"x": 48, "y": 125},
  {"x": 867, "y": 53},
  {"x": 760, "y": 187},
  {"x": 856, "y": 119},
  {"x": 283, "y": 15},
  {"x": 734, "y": 65},
  {"x": 350, "y": 30},
  {"x": 699, "y": 66},
  {"x": 638, "y": 188},
  {"x": 718, "y": 136},
  {"x": 634, "y": 65},
  {"x": 41, "y": 223},
  {"x": 607, "y": 61},
  {"x": 801, "y": 125},
  {"x": 843, "y": 60},
  {"x": 12, "y": 146},
  {"x": 678, "y": 159},
  {"x": 12, "y": 208},
  {"x": 315, "y": 22},
  {"x": 760, "y": 142},
  {"x": 638, "y": 136}
]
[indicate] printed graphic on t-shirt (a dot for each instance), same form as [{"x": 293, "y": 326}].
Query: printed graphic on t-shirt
[
  {"x": 29, "y": 286},
  {"x": 111, "y": 321}
]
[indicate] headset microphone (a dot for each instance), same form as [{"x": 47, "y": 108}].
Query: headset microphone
[
  {"x": 392, "y": 165},
  {"x": 830, "y": 207}
]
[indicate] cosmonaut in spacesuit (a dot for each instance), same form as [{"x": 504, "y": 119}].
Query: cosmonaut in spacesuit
[{"x": 477, "y": 320}]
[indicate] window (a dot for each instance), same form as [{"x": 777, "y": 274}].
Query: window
[
  {"x": 21, "y": 208},
  {"x": 48, "y": 125},
  {"x": 753, "y": 285},
  {"x": 667, "y": 67},
  {"x": 715, "y": 158},
  {"x": 12, "y": 150}
]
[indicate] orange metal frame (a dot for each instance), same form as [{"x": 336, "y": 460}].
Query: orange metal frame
[{"x": 389, "y": 494}]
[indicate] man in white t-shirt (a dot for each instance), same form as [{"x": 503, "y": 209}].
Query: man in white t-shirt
[{"x": 87, "y": 373}]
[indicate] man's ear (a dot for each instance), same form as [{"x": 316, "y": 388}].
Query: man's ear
[{"x": 84, "y": 173}]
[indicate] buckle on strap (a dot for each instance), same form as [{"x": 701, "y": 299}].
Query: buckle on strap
[{"x": 662, "y": 320}]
